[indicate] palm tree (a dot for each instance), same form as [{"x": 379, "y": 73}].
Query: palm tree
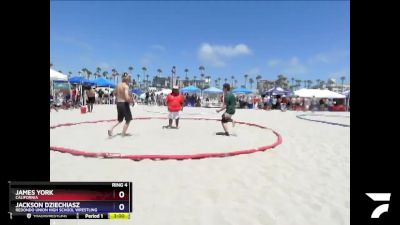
[
  {"x": 105, "y": 74},
  {"x": 88, "y": 73},
  {"x": 322, "y": 84},
  {"x": 318, "y": 82},
  {"x": 201, "y": 68},
  {"x": 208, "y": 80},
  {"x": 235, "y": 83},
  {"x": 130, "y": 69},
  {"x": 51, "y": 64},
  {"x": 186, "y": 72},
  {"x": 298, "y": 83},
  {"x": 147, "y": 80},
  {"x": 113, "y": 73},
  {"x": 293, "y": 81},
  {"x": 258, "y": 78},
  {"x": 60, "y": 71},
  {"x": 117, "y": 75},
  {"x": 159, "y": 71},
  {"x": 216, "y": 82},
  {"x": 342, "y": 78},
  {"x": 79, "y": 72},
  {"x": 84, "y": 71},
  {"x": 138, "y": 78},
  {"x": 98, "y": 71},
  {"x": 194, "y": 78},
  {"x": 232, "y": 79},
  {"x": 245, "y": 80},
  {"x": 309, "y": 82},
  {"x": 113, "y": 76},
  {"x": 226, "y": 80},
  {"x": 177, "y": 79},
  {"x": 186, "y": 81},
  {"x": 69, "y": 74},
  {"x": 251, "y": 81},
  {"x": 144, "y": 69},
  {"x": 202, "y": 79}
]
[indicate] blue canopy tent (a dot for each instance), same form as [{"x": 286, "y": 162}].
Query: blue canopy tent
[
  {"x": 277, "y": 91},
  {"x": 212, "y": 90},
  {"x": 103, "y": 82},
  {"x": 137, "y": 91},
  {"x": 241, "y": 91},
  {"x": 190, "y": 89},
  {"x": 81, "y": 81}
]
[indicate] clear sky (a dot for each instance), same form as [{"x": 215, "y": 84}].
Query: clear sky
[{"x": 304, "y": 40}]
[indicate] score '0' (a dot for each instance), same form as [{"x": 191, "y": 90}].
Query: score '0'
[{"x": 121, "y": 194}]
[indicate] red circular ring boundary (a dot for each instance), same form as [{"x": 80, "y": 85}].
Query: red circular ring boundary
[{"x": 108, "y": 155}]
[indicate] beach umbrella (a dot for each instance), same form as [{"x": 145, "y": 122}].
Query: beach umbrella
[
  {"x": 190, "y": 89},
  {"x": 212, "y": 90},
  {"x": 241, "y": 91}
]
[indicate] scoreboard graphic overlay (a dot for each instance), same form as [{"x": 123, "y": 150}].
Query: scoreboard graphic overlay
[{"x": 70, "y": 200}]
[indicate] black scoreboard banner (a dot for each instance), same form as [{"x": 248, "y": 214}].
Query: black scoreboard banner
[{"x": 70, "y": 200}]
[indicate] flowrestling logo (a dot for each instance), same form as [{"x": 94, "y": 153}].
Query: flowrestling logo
[{"x": 379, "y": 197}]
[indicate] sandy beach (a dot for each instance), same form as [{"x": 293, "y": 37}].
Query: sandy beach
[{"x": 303, "y": 181}]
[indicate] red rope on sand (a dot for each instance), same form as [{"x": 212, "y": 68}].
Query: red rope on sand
[{"x": 163, "y": 157}]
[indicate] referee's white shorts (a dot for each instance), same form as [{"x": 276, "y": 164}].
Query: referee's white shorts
[{"x": 174, "y": 115}]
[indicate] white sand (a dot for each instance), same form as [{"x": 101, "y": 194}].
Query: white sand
[{"x": 306, "y": 180}]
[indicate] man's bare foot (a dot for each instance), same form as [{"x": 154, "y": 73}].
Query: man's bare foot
[
  {"x": 222, "y": 133},
  {"x": 109, "y": 133}
]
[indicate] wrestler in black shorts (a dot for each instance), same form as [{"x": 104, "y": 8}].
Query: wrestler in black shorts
[{"x": 124, "y": 111}]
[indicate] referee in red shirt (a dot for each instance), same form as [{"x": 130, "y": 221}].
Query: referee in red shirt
[{"x": 175, "y": 105}]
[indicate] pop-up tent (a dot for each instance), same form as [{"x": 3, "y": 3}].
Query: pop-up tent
[
  {"x": 81, "y": 81},
  {"x": 164, "y": 91},
  {"x": 212, "y": 90},
  {"x": 190, "y": 89},
  {"x": 103, "y": 82},
  {"x": 317, "y": 93},
  {"x": 137, "y": 92},
  {"x": 54, "y": 75},
  {"x": 241, "y": 91},
  {"x": 277, "y": 91}
]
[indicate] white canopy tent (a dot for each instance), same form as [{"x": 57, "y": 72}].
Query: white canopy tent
[
  {"x": 54, "y": 75},
  {"x": 317, "y": 93},
  {"x": 164, "y": 92}
]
